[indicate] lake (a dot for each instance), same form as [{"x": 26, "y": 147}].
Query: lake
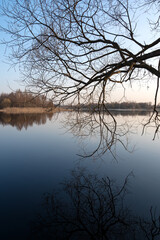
[{"x": 38, "y": 153}]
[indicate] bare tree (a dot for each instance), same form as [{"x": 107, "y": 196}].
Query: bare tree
[
  {"x": 71, "y": 47},
  {"x": 81, "y": 49}
]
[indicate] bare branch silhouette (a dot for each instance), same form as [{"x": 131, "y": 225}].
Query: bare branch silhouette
[{"x": 80, "y": 50}]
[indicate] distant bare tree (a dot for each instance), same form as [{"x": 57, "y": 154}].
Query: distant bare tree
[
  {"x": 24, "y": 99},
  {"x": 6, "y": 102}
]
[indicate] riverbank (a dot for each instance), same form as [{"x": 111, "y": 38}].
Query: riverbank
[{"x": 16, "y": 110}]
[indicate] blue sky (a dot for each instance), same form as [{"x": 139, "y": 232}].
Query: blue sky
[{"x": 9, "y": 75}]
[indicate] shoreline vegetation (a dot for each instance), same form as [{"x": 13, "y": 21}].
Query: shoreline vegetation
[
  {"x": 114, "y": 107},
  {"x": 19, "y": 102}
]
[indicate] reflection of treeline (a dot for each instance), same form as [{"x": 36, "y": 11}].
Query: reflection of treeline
[
  {"x": 24, "y": 120},
  {"x": 23, "y": 99},
  {"x": 132, "y": 112}
]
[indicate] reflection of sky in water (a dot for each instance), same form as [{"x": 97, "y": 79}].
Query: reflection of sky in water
[{"x": 35, "y": 161}]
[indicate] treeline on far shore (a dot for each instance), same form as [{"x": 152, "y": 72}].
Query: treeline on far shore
[
  {"x": 129, "y": 105},
  {"x": 24, "y": 99},
  {"x": 114, "y": 106}
]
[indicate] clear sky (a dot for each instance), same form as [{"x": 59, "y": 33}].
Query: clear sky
[
  {"x": 9, "y": 75},
  {"x": 139, "y": 91}
]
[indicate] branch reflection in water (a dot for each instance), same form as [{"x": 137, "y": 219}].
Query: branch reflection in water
[
  {"x": 90, "y": 207},
  {"x": 102, "y": 127},
  {"x": 21, "y": 121},
  {"x": 97, "y": 131}
]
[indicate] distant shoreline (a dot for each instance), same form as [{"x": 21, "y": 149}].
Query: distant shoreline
[{"x": 19, "y": 110}]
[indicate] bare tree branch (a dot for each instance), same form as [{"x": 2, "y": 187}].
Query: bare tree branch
[{"x": 78, "y": 50}]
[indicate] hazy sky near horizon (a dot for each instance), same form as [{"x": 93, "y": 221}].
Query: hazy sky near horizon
[{"x": 140, "y": 91}]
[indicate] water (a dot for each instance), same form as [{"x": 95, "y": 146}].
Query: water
[{"x": 37, "y": 152}]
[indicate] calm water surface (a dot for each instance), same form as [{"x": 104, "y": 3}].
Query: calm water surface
[{"x": 38, "y": 152}]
